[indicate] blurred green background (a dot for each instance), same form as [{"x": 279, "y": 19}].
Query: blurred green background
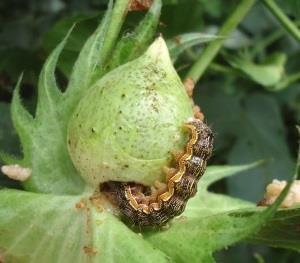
[{"x": 250, "y": 94}]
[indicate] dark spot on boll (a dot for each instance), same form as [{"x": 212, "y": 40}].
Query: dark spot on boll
[
  {"x": 93, "y": 130},
  {"x": 123, "y": 96}
]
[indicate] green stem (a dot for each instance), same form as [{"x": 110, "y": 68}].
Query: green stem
[
  {"x": 288, "y": 81},
  {"x": 283, "y": 19},
  {"x": 265, "y": 42},
  {"x": 212, "y": 49},
  {"x": 223, "y": 69},
  {"x": 116, "y": 21}
]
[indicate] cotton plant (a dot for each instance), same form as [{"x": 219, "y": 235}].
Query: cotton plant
[{"x": 118, "y": 120}]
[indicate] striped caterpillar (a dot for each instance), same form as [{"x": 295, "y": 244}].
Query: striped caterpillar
[{"x": 155, "y": 210}]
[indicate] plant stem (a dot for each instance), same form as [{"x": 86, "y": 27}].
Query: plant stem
[
  {"x": 212, "y": 49},
  {"x": 116, "y": 21},
  {"x": 283, "y": 19},
  {"x": 287, "y": 81},
  {"x": 223, "y": 69},
  {"x": 266, "y": 41}
]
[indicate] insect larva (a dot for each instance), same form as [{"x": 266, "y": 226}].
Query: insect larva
[{"x": 142, "y": 210}]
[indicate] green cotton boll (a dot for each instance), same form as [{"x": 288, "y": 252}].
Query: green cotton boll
[{"x": 130, "y": 120}]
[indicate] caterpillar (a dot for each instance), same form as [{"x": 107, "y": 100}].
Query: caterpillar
[{"x": 145, "y": 210}]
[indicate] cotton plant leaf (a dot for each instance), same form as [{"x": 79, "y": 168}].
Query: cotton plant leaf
[
  {"x": 195, "y": 240},
  {"x": 179, "y": 44},
  {"x": 8, "y": 142},
  {"x": 118, "y": 243},
  {"x": 134, "y": 44},
  {"x": 8, "y": 137},
  {"x": 49, "y": 228},
  {"x": 218, "y": 172},
  {"x": 55, "y": 212},
  {"x": 286, "y": 82},
  {"x": 267, "y": 74},
  {"x": 84, "y": 27},
  {"x": 93, "y": 57},
  {"x": 207, "y": 203},
  {"x": 23, "y": 123},
  {"x": 74, "y": 228},
  {"x": 29, "y": 221},
  {"x": 281, "y": 231},
  {"x": 258, "y": 132},
  {"x": 88, "y": 60},
  {"x": 197, "y": 237},
  {"x": 44, "y": 136}
]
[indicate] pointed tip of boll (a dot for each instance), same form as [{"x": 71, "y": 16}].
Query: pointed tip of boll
[{"x": 159, "y": 50}]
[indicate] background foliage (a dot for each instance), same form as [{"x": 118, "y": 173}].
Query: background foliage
[{"x": 250, "y": 93}]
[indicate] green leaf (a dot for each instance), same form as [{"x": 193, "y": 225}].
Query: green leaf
[
  {"x": 191, "y": 18},
  {"x": 48, "y": 228},
  {"x": 291, "y": 7},
  {"x": 260, "y": 134},
  {"x": 290, "y": 97},
  {"x": 218, "y": 172},
  {"x": 85, "y": 25},
  {"x": 87, "y": 61},
  {"x": 23, "y": 122},
  {"x": 206, "y": 203},
  {"x": 286, "y": 82},
  {"x": 249, "y": 127},
  {"x": 8, "y": 142},
  {"x": 78, "y": 228},
  {"x": 267, "y": 74},
  {"x": 95, "y": 53},
  {"x": 134, "y": 44},
  {"x": 281, "y": 231},
  {"x": 44, "y": 137},
  {"x": 180, "y": 43},
  {"x": 197, "y": 237},
  {"x": 31, "y": 220},
  {"x": 118, "y": 243},
  {"x": 8, "y": 137},
  {"x": 15, "y": 60}
]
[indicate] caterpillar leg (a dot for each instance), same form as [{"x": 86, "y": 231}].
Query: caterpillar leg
[
  {"x": 157, "y": 190},
  {"x": 167, "y": 200},
  {"x": 169, "y": 171}
]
